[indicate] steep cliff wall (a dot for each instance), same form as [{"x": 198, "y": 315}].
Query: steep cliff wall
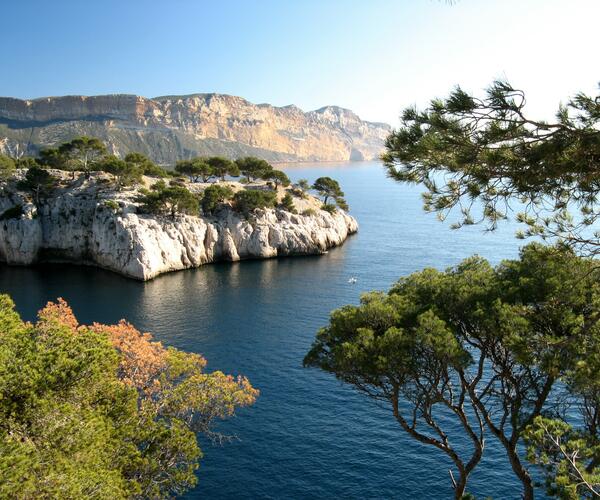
[
  {"x": 174, "y": 127},
  {"x": 79, "y": 224}
]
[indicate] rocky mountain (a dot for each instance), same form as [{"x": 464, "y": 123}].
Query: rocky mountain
[
  {"x": 174, "y": 127},
  {"x": 86, "y": 221}
]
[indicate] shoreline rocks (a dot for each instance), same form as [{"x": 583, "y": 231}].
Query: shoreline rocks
[{"x": 80, "y": 224}]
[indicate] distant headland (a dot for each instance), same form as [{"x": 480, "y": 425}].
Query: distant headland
[{"x": 171, "y": 128}]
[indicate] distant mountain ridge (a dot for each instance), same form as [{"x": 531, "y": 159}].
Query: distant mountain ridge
[{"x": 168, "y": 128}]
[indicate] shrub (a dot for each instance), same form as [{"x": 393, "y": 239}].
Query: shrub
[
  {"x": 213, "y": 196},
  {"x": 112, "y": 204},
  {"x": 7, "y": 166},
  {"x": 171, "y": 200},
  {"x": 328, "y": 207},
  {"x": 288, "y": 203},
  {"x": 309, "y": 212},
  {"x": 145, "y": 164},
  {"x": 39, "y": 181},
  {"x": 249, "y": 200}
]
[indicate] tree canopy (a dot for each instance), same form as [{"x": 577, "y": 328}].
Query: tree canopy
[
  {"x": 168, "y": 200},
  {"x": 102, "y": 411},
  {"x": 126, "y": 172},
  {"x": 82, "y": 153},
  {"x": 486, "y": 157},
  {"x": 7, "y": 166},
  {"x": 491, "y": 348},
  {"x": 330, "y": 188},
  {"x": 195, "y": 169},
  {"x": 248, "y": 200},
  {"x": 39, "y": 181},
  {"x": 252, "y": 167},
  {"x": 213, "y": 196},
  {"x": 222, "y": 167}
]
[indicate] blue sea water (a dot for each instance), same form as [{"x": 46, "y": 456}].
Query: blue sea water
[{"x": 308, "y": 436}]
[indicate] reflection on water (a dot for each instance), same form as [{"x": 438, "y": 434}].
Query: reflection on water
[{"x": 308, "y": 436}]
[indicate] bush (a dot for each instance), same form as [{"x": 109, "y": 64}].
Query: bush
[
  {"x": 112, "y": 204},
  {"x": 145, "y": 164},
  {"x": 170, "y": 200},
  {"x": 309, "y": 212},
  {"x": 213, "y": 196},
  {"x": 288, "y": 203},
  {"x": 328, "y": 207},
  {"x": 7, "y": 166},
  {"x": 249, "y": 200},
  {"x": 12, "y": 213},
  {"x": 39, "y": 181}
]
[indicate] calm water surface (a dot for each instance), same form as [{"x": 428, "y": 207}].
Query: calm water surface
[{"x": 308, "y": 436}]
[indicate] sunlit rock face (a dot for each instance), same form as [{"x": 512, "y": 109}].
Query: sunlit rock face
[
  {"x": 80, "y": 224},
  {"x": 175, "y": 127}
]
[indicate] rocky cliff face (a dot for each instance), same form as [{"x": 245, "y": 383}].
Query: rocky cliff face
[
  {"x": 174, "y": 127},
  {"x": 81, "y": 224}
]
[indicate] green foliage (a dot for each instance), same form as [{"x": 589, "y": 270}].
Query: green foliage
[
  {"x": 223, "y": 167},
  {"x": 303, "y": 184},
  {"x": 147, "y": 166},
  {"x": 569, "y": 458},
  {"x": 52, "y": 158},
  {"x": 507, "y": 342},
  {"x": 112, "y": 204},
  {"x": 252, "y": 167},
  {"x": 465, "y": 150},
  {"x": 309, "y": 212},
  {"x": 329, "y": 188},
  {"x": 278, "y": 177},
  {"x": 287, "y": 203},
  {"x": 82, "y": 153},
  {"x": 164, "y": 199},
  {"x": 101, "y": 411},
  {"x": 39, "y": 181},
  {"x": 126, "y": 173},
  {"x": 14, "y": 212},
  {"x": 329, "y": 208},
  {"x": 215, "y": 195},
  {"x": 26, "y": 162},
  {"x": 248, "y": 200},
  {"x": 7, "y": 166},
  {"x": 195, "y": 169}
]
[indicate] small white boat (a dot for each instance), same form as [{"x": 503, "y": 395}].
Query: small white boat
[{"x": 352, "y": 280}]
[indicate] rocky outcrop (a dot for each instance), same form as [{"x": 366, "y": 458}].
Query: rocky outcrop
[
  {"x": 87, "y": 222},
  {"x": 175, "y": 127}
]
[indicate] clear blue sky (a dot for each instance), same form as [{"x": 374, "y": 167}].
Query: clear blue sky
[{"x": 373, "y": 56}]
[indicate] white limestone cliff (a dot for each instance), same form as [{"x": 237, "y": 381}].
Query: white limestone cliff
[{"x": 81, "y": 224}]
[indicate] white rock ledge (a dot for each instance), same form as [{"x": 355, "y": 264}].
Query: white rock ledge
[{"x": 77, "y": 226}]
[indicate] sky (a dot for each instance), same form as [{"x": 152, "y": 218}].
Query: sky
[{"x": 373, "y": 56}]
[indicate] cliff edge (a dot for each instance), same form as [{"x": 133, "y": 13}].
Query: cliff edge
[{"x": 86, "y": 221}]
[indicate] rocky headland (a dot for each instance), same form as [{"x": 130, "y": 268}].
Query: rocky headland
[
  {"x": 86, "y": 220},
  {"x": 171, "y": 128}
]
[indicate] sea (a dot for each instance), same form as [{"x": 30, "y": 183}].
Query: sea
[{"x": 308, "y": 436}]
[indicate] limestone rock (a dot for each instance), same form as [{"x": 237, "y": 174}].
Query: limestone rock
[
  {"x": 175, "y": 127},
  {"x": 77, "y": 224}
]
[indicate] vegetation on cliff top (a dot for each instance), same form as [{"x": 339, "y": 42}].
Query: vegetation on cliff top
[
  {"x": 102, "y": 411},
  {"x": 511, "y": 351},
  {"x": 170, "y": 194}
]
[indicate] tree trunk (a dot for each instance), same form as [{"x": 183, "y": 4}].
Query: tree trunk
[{"x": 522, "y": 474}]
